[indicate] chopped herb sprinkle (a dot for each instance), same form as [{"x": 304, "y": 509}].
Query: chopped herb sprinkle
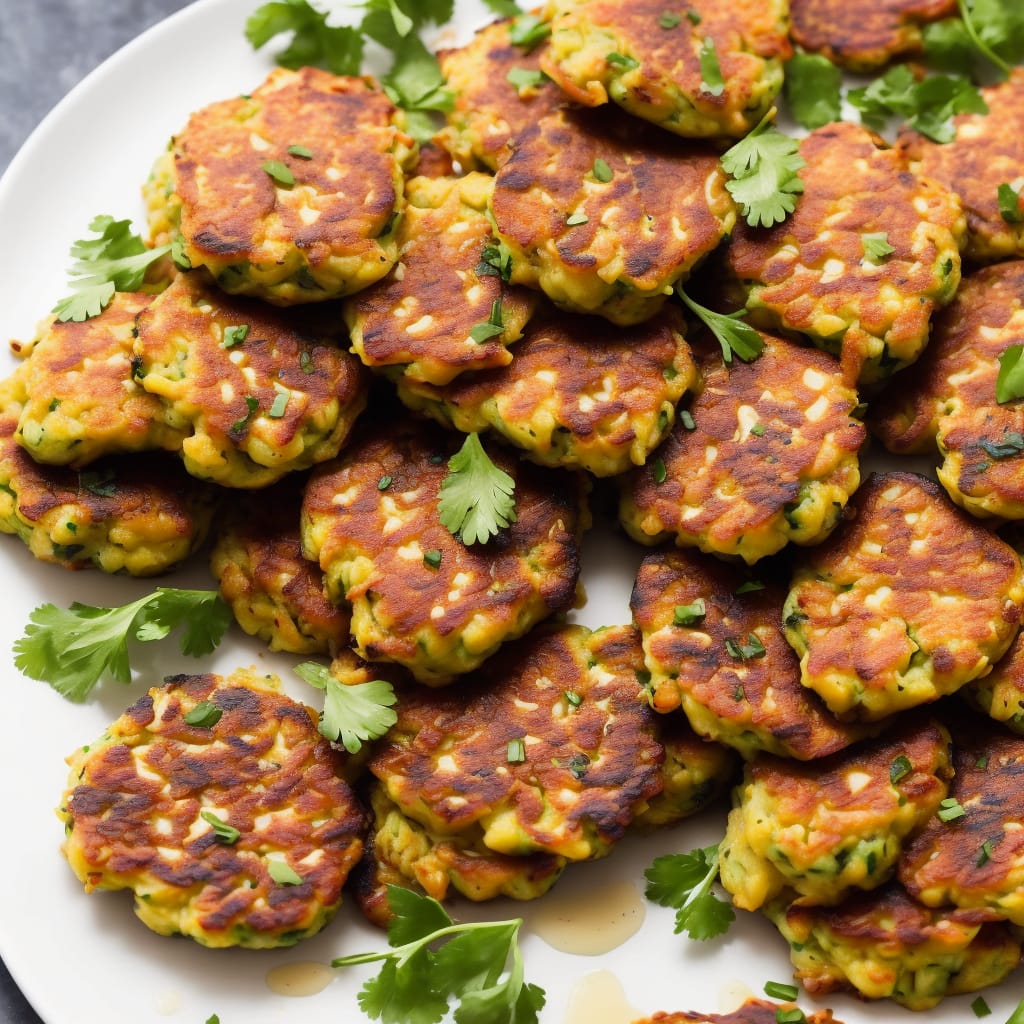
[
  {"x": 950, "y": 810},
  {"x": 601, "y": 171},
  {"x": 900, "y": 768},
  {"x": 689, "y": 614},
  {"x": 516, "y": 751},
  {"x": 279, "y": 172}
]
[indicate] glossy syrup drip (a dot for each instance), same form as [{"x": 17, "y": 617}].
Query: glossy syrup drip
[
  {"x": 304, "y": 978},
  {"x": 599, "y": 998},
  {"x": 592, "y": 922}
]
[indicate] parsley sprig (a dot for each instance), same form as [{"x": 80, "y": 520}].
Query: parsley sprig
[
  {"x": 683, "y": 881},
  {"x": 434, "y": 962},
  {"x": 734, "y": 335},
  {"x": 115, "y": 261},
  {"x": 73, "y": 648},
  {"x": 477, "y": 497},
  {"x": 763, "y": 174},
  {"x": 353, "y": 713}
]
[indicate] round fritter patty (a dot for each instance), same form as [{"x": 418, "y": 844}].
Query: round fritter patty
[
  {"x": 549, "y": 751},
  {"x": 694, "y": 773},
  {"x": 824, "y": 271},
  {"x": 443, "y": 310},
  {"x": 257, "y": 394},
  {"x": 130, "y": 514},
  {"x": 975, "y": 860},
  {"x": 864, "y": 34},
  {"x": 753, "y": 1011},
  {"x": 419, "y": 595},
  {"x": 275, "y": 593},
  {"x": 605, "y": 215},
  {"x": 713, "y": 645},
  {"x": 152, "y": 804},
  {"x": 908, "y": 601},
  {"x": 289, "y": 193},
  {"x": 83, "y": 401},
  {"x": 650, "y": 59},
  {"x": 579, "y": 392},
  {"x": 951, "y": 400},
  {"x": 490, "y": 108},
  {"x": 883, "y": 945},
  {"x": 767, "y": 455},
  {"x": 987, "y": 151},
  {"x": 836, "y": 824}
]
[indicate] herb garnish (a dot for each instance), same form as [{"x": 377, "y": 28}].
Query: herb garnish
[
  {"x": 352, "y": 713},
  {"x": 734, "y": 335},
  {"x": 763, "y": 174},
  {"x": 476, "y": 496},
  {"x": 683, "y": 881}
]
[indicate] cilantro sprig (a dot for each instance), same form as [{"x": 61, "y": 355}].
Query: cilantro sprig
[
  {"x": 813, "y": 87},
  {"x": 734, "y": 335},
  {"x": 990, "y": 30},
  {"x": 435, "y": 964},
  {"x": 683, "y": 881},
  {"x": 477, "y": 497},
  {"x": 115, "y": 261},
  {"x": 354, "y": 713},
  {"x": 73, "y": 648},
  {"x": 763, "y": 169}
]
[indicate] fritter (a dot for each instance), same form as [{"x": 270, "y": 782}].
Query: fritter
[
  {"x": 579, "y": 392},
  {"x": 547, "y": 752},
  {"x": 768, "y": 455},
  {"x": 275, "y": 593},
  {"x": 951, "y": 401},
  {"x": 404, "y": 852},
  {"x": 235, "y": 830},
  {"x": 605, "y": 215},
  {"x": 419, "y": 595},
  {"x": 865, "y": 34},
  {"x": 490, "y": 109},
  {"x": 836, "y": 824},
  {"x": 424, "y": 319},
  {"x": 140, "y": 516},
  {"x": 290, "y": 193},
  {"x": 883, "y": 945},
  {"x": 258, "y": 394},
  {"x": 713, "y": 645},
  {"x": 987, "y": 152},
  {"x": 908, "y": 601},
  {"x": 694, "y": 773},
  {"x": 83, "y": 402},
  {"x": 753, "y": 1011},
  {"x": 825, "y": 271},
  {"x": 1000, "y": 694},
  {"x": 975, "y": 859},
  {"x": 651, "y": 60}
]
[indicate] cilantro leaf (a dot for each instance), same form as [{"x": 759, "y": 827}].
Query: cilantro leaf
[
  {"x": 813, "y": 89},
  {"x": 73, "y": 648},
  {"x": 734, "y": 335},
  {"x": 683, "y": 881},
  {"x": 1010, "y": 381},
  {"x": 990, "y": 29},
  {"x": 116, "y": 260},
  {"x": 314, "y": 43},
  {"x": 351, "y": 714},
  {"x": 763, "y": 169},
  {"x": 476, "y": 496},
  {"x": 476, "y": 966}
]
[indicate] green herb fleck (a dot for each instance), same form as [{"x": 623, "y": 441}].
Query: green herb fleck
[
  {"x": 280, "y": 404},
  {"x": 601, "y": 171},
  {"x": 573, "y": 699},
  {"x": 950, "y": 810},
  {"x": 658, "y": 471},
  {"x": 1012, "y": 444},
  {"x": 433, "y": 558},
  {"x": 234, "y": 335},
  {"x": 980, "y": 1007},
  {"x": 384, "y": 482},
  {"x": 491, "y": 327},
  {"x": 525, "y": 78},
  {"x": 689, "y": 614},
  {"x": 205, "y": 714},
  {"x": 280, "y": 172},
  {"x": 282, "y": 873},
  {"x": 779, "y": 990},
  {"x": 252, "y": 407},
  {"x": 302, "y": 152},
  {"x": 711, "y": 80},
  {"x": 1009, "y": 204},
  {"x": 575, "y": 219},
  {"x": 1010, "y": 380},
  {"x": 622, "y": 60},
  {"x": 516, "y": 753},
  {"x": 225, "y": 833},
  {"x": 876, "y": 247},
  {"x": 528, "y": 31},
  {"x": 750, "y": 587},
  {"x": 686, "y": 418},
  {"x": 753, "y": 648},
  {"x": 900, "y": 768},
  {"x": 985, "y": 855},
  {"x": 669, "y": 19}
]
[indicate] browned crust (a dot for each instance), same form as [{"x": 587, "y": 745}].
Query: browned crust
[{"x": 753, "y": 1011}]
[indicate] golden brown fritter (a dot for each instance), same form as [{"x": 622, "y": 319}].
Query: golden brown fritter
[
  {"x": 883, "y": 945},
  {"x": 951, "y": 400},
  {"x": 1000, "y": 694},
  {"x": 489, "y": 109},
  {"x": 549, "y": 751},
  {"x": 767, "y": 456},
  {"x": 83, "y": 401},
  {"x": 419, "y": 595},
  {"x": 753, "y": 1011},
  {"x": 605, "y": 215},
  {"x": 132, "y": 514},
  {"x": 814, "y": 273},
  {"x": 988, "y": 151},
  {"x": 257, "y": 394},
  {"x": 579, "y": 392},
  {"x": 714, "y": 646},
  {"x": 289, "y": 193},
  {"x": 908, "y": 601},
  {"x": 420, "y": 320},
  {"x": 146, "y": 805},
  {"x": 275, "y": 593},
  {"x": 864, "y": 34},
  {"x": 836, "y": 824},
  {"x": 649, "y": 59},
  {"x": 975, "y": 860}
]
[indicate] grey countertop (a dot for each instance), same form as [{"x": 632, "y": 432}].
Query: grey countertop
[{"x": 48, "y": 46}]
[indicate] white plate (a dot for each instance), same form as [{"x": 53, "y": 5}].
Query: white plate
[{"x": 83, "y": 959}]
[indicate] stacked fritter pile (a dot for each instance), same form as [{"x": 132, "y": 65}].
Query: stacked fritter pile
[{"x": 520, "y": 286}]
